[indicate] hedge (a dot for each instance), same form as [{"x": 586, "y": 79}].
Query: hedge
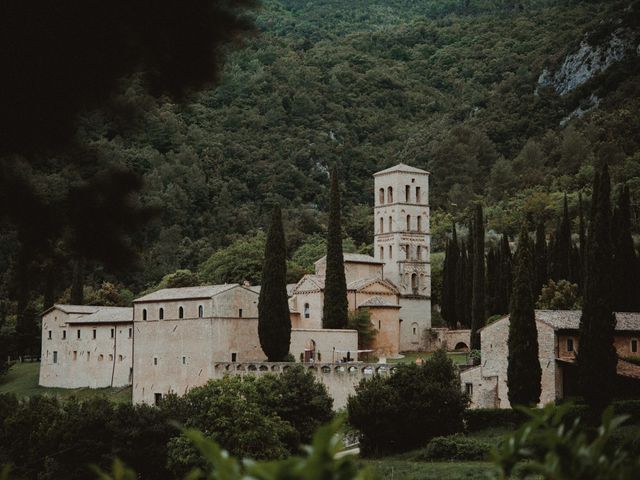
[{"x": 456, "y": 447}]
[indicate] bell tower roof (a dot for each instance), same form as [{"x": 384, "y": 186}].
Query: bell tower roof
[{"x": 402, "y": 168}]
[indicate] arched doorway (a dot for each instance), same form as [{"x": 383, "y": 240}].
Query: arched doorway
[
  {"x": 461, "y": 347},
  {"x": 310, "y": 351}
]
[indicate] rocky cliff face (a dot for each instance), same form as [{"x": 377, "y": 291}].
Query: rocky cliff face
[{"x": 582, "y": 65}]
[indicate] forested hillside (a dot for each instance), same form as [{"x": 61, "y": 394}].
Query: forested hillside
[{"x": 447, "y": 85}]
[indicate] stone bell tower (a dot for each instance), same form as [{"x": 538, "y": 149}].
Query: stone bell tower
[{"x": 402, "y": 241}]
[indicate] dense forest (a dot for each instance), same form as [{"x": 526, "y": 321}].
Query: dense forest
[{"x": 455, "y": 87}]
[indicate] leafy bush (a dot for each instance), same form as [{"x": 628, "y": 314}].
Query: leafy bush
[
  {"x": 407, "y": 408},
  {"x": 476, "y": 419},
  {"x": 561, "y": 295},
  {"x": 550, "y": 446},
  {"x": 456, "y": 447}
]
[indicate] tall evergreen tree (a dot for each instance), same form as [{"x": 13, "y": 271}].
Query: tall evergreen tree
[
  {"x": 540, "y": 261},
  {"x": 626, "y": 281},
  {"x": 478, "y": 307},
  {"x": 506, "y": 275},
  {"x": 335, "y": 309},
  {"x": 463, "y": 299},
  {"x": 523, "y": 371},
  {"x": 597, "y": 358},
  {"x": 493, "y": 290},
  {"x": 582, "y": 234},
  {"x": 274, "y": 322},
  {"x": 562, "y": 247},
  {"x": 449, "y": 280}
]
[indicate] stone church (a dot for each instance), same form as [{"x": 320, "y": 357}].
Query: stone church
[{"x": 175, "y": 339}]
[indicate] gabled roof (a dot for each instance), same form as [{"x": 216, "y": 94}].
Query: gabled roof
[
  {"x": 377, "y": 302},
  {"x": 354, "y": 258},
  {"x": 315, "y": 282},
  {"x": 401, "y": 167},
  {"x": 76, "y": 309},
  {"x": 106, "y": 315},
  {"x": 186, "y": 293},
  {"x": 570, "y": 320},
  {"x": 365, "y": 282}
]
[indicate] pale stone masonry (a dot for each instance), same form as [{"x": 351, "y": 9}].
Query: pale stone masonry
[
  {"x": 558, "y": 343},
  {"x": 86, "y": 346}
]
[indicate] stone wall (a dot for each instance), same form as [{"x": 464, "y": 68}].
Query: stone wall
[
  {"x": 450, "y": 340},
  {"x": 105, "y": 361},
  {"x": 327, "y": 341},
  {"x": 416, "y": 319}
]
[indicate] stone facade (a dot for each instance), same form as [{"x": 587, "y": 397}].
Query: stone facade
[
  {"x": 402, "y": 241},
  {"x": 450, "y": 340},
  {"x": 86, "y": 346},
  {"x": 557, "y": 344}
]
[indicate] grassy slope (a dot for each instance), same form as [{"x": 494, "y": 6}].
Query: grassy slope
[
  {"x": 392, "y": 468},
  {"x": 411, "y": 357},
  {"x": 22, "y": 380}
]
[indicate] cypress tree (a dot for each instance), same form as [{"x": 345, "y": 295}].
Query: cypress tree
[
  {"x": 626, "y": 282},
  {"x": 506, "y": 275},
  {"x": 562, "y": 247},
  {"x": 478, "y": 307},
  {"x": 274, "y": 322},
  {"x": 461, "y": 295},
  {"x": 582, "y": 233},
  {"x": 523, "y": 371},
  {"x": 449, "y": 280},
  {"x": 493, "y": 281},
  {"x": 335, "y": 309},
  {"x": 597, "y": 358},
  {"x": 541, "y": 272}
]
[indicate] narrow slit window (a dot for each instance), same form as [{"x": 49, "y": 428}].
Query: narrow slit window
[
  {"x": 161, "y": 314},
  {"x": 407, "y": 191},
  {"x": 239, "y": 313},
  {"x": 113, "y": 332},
  {"x": 390, "y": 224},
  {"x": 408, "y": 222},
  {"x": 200, "y": 311},
  {"x": 78, "y": 333},
  {"x": 306, "y": 311},
  {"x": 418, "y": 194},
  {"x": 50, "y": 332},
  {"x": 181, "y": 312},
  {"x": 144, "y": 314},
  {"x": 389, "y": 195},
  {"x": 634, "y": 346},
  {"x": 390, "y": 252},
  {"x": 381, "y": 225},
  {"x": 130, "y": 332},
  {"x": 95, "y": 333},
  {"x": 381, "y": 253},
  {"x": 419, "y": 223},
  {"x": 569, "y": 344},
  {"x": 381, "y": 196}
]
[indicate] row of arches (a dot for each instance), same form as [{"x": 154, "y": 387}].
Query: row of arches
[
  {"x": 407, "y": 195},
  {"x": 409, "y": 224},
  {"x": 161, "y": 313},
  {"x": 323, "y": 369}
]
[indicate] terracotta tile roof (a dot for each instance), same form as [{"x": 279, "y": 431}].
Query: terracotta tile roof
[
  {"x": 628, "y": 369},
  {"x": 355, "y": 258},
  {"x": 364, "y": 282},
  {"x": 184, "y": 293},
  {"x": 401, "y": 167},
  {"x": 374, "y": 302},
  {"x": 570, "y": 319},
  {"x": 106, "y": 315}
]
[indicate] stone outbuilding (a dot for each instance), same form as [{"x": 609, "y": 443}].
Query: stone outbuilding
[{"x": 558, "y": 342}]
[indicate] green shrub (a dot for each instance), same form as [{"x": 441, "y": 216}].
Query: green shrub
[
  {"x": 456, "y": 447},
  {"x": 408, "y": 408},
  {"x": 482, "y": 418}
]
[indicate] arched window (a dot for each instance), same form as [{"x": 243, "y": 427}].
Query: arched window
[
  {"x": 180, "y": 312},
  {"x": 409, "y": 223},
  {"x": 419, "y": 223},
  {"x": 381, "y": 253},
  {"x": 419, "y": 252},
  {"x": 390, "y": 224},
  {"x": 161, "y": 313},
  {"x": 414, "y": 282},
  {"x": 389, "y": 195},
  {"x": 144, "y": 315},
  {"x": 306, "y": 310},
  {"x": 390, "y": 252},
  {"x": 381, "y": 196},
  {"x": 407, "y": 193},
  {"x": 417, "y": 194},
  {"x": 414, "y": 329},
  {"x": 381, "y": 225},
  {"x": 200, "y": 311}
]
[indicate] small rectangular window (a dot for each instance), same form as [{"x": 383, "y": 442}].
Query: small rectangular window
[
  {"x": 569, "y": 344},
  {"x": 64, "y": 334},
  {"x": 155, "y": 360},
  {"x": 157, "y": 398},
  {"x": 55, "y": 357},
  {"x": 94, "y": 333},
  {"x": 240, "y": 313},
  {"x": 130, "y": 332},
  {"x": 417, "y": 194},
  {"x": 184, "y": 360},
  {"x": 50, "y": 332},
  {"x": 78, "y": 334},
  {"x": 113, "y": 332},
  {"x": 634, "y": 346},
  {"x": 75, "y": 354},
  {"x": 468, "y": 387},
  {"x": 234, "y": 357}
]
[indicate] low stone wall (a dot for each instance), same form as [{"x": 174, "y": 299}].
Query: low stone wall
[
  {"x": 450, "y": 340},
  {"x": 339, "y": 378}
]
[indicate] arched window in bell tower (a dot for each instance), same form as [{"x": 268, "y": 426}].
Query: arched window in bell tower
[
  {"x": 419, "y": 253},
  {"x": 381, "y": 253},
  {"x": 390, "y": 252},
  {"x": 390, "y": 195},
  {"x": 381, "y": 225},
  {"x": 408, "y": 223},
  {"x": 381, "y": 196},
  {"x": 390, "y": 225},
  {"x": 414, "y": 282},
  {"x": 417, "y": 194},
  {"x": 407, "y": 193},
  {"x": 419, "y": 223}
]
